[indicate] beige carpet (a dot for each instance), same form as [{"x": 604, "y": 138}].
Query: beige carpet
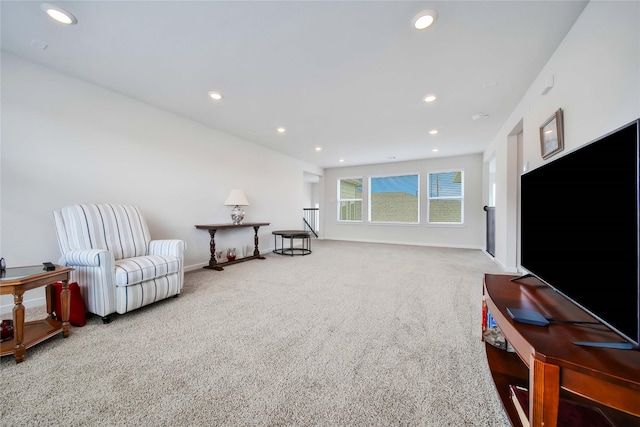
[{"x": 354, "y": 334}]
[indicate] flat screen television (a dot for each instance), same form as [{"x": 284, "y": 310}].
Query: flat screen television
[{"x": 580, "y": 227}]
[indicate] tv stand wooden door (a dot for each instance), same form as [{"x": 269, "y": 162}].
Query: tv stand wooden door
[{"x": 548, "y": 363}]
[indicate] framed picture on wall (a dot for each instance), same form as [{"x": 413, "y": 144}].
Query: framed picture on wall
[{"x": 551, "y": 135}]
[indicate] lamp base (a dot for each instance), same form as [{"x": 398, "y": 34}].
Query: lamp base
[{"x": 237, "y": 215}]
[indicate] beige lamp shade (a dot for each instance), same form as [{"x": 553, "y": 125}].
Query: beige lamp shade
[{"x": 236, "y": 198}]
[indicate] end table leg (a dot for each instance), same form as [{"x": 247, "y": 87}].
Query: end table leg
[
  {"x": 18, "y": 326},
  {"x": 50, "y": 300},
  {"x": 65, "y": 307}
]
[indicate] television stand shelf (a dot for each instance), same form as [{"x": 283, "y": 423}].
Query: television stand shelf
[{"x": 547, "y": 362}]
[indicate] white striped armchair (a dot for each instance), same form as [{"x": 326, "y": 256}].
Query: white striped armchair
[{"x": 117, "y": 265}]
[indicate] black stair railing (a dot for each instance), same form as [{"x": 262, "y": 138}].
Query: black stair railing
[
  {"x": 491, "y": 230},
  {"x": 311, "y": 219}
]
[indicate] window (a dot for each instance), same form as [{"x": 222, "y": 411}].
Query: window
[
  {"x": 446, "y": 198},
  {"x": 394, "y": 199},
  {"x": 350, "y": 199}
]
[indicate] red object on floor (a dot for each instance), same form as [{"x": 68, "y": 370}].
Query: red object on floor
[
  {"x": 77, "y": 312},
  {"x": 6, "y": 330}
]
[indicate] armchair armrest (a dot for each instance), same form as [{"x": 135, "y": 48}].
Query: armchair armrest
[
  {"x": 87, "y": 258},
  {"x": 94, "y": 270},
  {"x": 171, "y": 247}
]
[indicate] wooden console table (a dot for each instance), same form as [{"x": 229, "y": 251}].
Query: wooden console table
[
  {"x": 550, "y": 365},
  {"x": 27, "y": 334},
  {"x": 213, "y": 263}
]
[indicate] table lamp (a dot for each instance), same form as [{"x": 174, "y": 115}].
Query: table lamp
[{"x": 236, "y": 198}]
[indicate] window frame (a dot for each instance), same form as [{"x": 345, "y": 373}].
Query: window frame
[
  {"x": 418, "y": 195},
  {"x": 461, "y": 197},
  {"x": 339, "y": 200}
]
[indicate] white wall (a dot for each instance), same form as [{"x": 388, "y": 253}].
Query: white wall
[
  {"x": 596, "y": 72},
  {"x": 469, "y": 235},
  {"x": 62, "y": 142},
  {"x": 66, "y": 141}
]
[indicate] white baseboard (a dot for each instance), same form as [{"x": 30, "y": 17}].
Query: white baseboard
[
  {"x": 440, "y": 245},
  {"x": 28, "y": 303}
]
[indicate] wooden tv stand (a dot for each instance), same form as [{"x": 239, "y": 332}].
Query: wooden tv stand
[{"x": 550, "y": 365}]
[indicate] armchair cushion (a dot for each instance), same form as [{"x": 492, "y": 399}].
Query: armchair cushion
[{"x": 139, "y": 269}]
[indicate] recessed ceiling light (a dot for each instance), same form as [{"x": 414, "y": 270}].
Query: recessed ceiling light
[
  {"x": 59, "y": 14},
  {"x": 430, "y": 98},
  {"x": 318, "y": 148},
  {"x": 424, "y": 19},
  {"x": 341, "y": 160},
  {"x": 215, "y": 95},
  {"x": 281, "y": 130},
  {"x": 435, "y": 150},
  {"x": 433, "y": 131}
]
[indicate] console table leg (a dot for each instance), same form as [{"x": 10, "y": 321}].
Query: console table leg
[
  {"x": 256, "y": 252},
  {"x": 212, "y": 249}
]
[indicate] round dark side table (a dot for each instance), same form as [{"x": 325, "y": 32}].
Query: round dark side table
[{"x": 304, "y": 236}]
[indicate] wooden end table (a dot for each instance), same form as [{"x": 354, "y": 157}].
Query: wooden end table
[{"x": 27, "y": 334}]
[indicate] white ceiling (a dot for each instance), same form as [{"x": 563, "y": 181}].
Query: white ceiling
[{"x": 347, "y": 76}]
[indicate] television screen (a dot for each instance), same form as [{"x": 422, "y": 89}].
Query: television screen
[{"x": 579, "y": 228}]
